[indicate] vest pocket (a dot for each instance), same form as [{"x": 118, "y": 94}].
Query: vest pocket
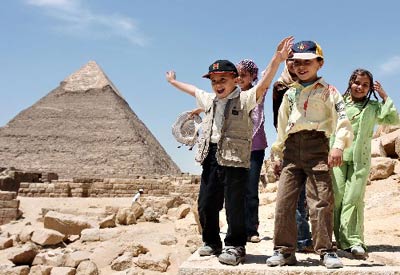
[{"x": 236, "y": 150}]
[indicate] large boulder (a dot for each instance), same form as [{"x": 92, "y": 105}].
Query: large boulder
[
  {"x": 381, "y": 168},
  {"x": 67, "y": 224}
]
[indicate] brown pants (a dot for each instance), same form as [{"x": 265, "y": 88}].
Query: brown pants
[{"x": 305, "y": 158}]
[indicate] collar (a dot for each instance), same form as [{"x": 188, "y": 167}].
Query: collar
[
  {"x": 319, "y": 82},
  {"x": 235, "y": 93}
]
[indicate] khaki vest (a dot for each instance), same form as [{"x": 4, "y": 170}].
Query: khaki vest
[{"x": 234, "y": 147}]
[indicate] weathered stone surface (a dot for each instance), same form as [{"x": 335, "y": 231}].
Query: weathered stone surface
[
  {"x": 388, "y": 143},
  {"x": 73, "y": 259},
  {"x": 168, "y": 240},
  {"x": 86, "y": 125},
  {"x": 40, "y": 270},
  {"x": 381, "y": 168},
  {"x": 108, "y": 221},
  {"x": 122, "y": 262},
  {"x": 14, "y": 270},
  {"x": 23, "y": 255},
  {"x": 87, "y": 268},
  {"x": 50, "y": 258},
  {"x": 61, "y": 270},
  {"x": 96, "y": 234},
  {"x": 66, "y": 224},
  {"x": 126, "y": 216},
  {"x": 5, "y": 243},
  {"x": 377, "y": 149},
  {"x": 44, "y": 236},
  {"x": 153, "y": 262},
  {"x": 182, "y": 211},
  {"x": 136, "y": 249}
]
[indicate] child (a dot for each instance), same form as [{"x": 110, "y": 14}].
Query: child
[
  {"x": 248, "y": 72},
  {"x": 287, "y": 78},
  {"x": 224, "y": 152},
  {"x": 350, "y": 179},
  {"x": 310, "y": 112}
]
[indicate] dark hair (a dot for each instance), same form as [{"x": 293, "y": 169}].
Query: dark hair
[{"x": 361, "y": 72}]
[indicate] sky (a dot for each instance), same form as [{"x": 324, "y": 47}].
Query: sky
[{"x": 137, "y": 42}]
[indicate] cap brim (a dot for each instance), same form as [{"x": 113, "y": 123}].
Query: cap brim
[
  {"x": 218, "y": 72},
  {"x": 305, "y": 56}
]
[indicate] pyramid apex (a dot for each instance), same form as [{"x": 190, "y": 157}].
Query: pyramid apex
[{"x": 90, "y": 76}]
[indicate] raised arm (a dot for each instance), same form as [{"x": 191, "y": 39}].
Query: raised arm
[
  {"x": 184, "y": 87},
  {"x": 282, "y": 53}
]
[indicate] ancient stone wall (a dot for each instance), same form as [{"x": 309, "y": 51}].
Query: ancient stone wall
[
  {"x": 185, "y": 185},
  {"x": 9, "y": 207}
]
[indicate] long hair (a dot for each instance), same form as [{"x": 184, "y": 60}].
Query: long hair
[{"x": 347, "y": 93}]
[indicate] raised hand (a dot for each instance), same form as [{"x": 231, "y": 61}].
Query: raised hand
[
  {"x": 380, "y": 90},
  {"x": 285, "y": 47}
]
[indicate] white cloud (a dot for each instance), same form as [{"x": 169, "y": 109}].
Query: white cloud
[
  {"x": 76, "y": 19},
  {"x": 391, "y": 66}
]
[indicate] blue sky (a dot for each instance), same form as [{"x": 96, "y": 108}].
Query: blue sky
[{"x": 136, "y": 42}]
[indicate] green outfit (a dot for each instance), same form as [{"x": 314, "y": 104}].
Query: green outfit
[{"x": 350, "y": 179}]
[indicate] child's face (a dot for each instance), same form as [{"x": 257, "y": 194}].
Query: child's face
[
  {"x": 289, "y": 65},
  {"x": 245, "y": 79},
  {"x": 223, "y": 83},
  {"x": 306, "y": 69},
  {"x": 360, "y": 87}
]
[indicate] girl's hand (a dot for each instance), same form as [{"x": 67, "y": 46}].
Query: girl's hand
[
  {"x": 170, "y": 76},
  {"x": 197, "y": 111},
  {"x": 285, "y": 47},
  {"x": 335, "y": 157},
  {"x": 380, "y": 90}
]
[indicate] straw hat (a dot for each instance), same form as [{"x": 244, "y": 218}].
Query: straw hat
[{"x": 186, "y": 127}]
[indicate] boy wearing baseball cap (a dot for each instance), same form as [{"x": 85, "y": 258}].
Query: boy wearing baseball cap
[
  {"x": 224, "y": 152},
  {"x": 311, "y": 111}
]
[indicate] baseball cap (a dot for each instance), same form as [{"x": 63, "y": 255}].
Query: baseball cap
[
  {"x": 306, "y": 50},
  {"x": 186, "y": 128},
  {"x": 221, "y": 66}
]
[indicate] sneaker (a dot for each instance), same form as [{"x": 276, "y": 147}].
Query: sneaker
[
  {"x": 254, "y": 239},
  {"x": 208, "y": 250},
  {"x": 281, "y": 259},
  {"x": 232, "y": 255},
  {"x": 331, "y": 260},
  {"x": 357, "y": 250}
]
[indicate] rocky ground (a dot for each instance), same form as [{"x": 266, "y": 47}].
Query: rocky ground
[{"x": 162, "y": 245}]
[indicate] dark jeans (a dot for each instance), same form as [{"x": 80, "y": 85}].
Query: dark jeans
[
  {"x": 303, "y": 228},
  {"x": 219, "y": 183},
  {"x": 252, "y": 201}
]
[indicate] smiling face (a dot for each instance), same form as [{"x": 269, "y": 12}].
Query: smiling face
[
  {"x": 223, "y": 83},
  {"x": 245, "y": 79},
  {"x": 306, "y": 69},
  {"x": 360, "y": 87}
]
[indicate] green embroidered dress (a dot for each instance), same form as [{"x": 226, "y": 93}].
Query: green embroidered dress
[{"x": 350, "y": 179}]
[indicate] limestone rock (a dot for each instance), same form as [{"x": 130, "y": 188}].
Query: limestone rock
[
  {"x": 73, "y": 259},
  {"x": 50, "y": 258},
  {"x": 381, "y": 168},
  {"x": 5, "y": 243},
  {"x": 45, "y": 237},
  {"x": 168, "y": 240},
  {"x": 377, "y": 149},
  {"x": 62, "y": 270},
  {"x": 122, "y": 262},
  {"x": 14, "y": 270},
  {"x": 108, "y": 221},
  {"x": 87, "y": 268},
  {"x": 23, "y": 255},
  {"x": 126, "y": 216},
  {"x": 40, "y": 270},
  {"x": 65, "y": 223},
  {"x": 182, "y": 211},
  {"x": 153, "y": 262}
]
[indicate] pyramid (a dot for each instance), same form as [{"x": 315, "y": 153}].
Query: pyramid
[{"x": 83, "y": 128}]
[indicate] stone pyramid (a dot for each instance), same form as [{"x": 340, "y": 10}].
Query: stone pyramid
[{"x": 83, "y": 128}]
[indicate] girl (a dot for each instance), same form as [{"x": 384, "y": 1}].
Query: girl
[
  {"x": 350, "y": 179},
  {"x": 248, "y": 72}
]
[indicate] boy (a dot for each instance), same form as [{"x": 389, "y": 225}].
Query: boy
[
  {"x": 224, "y": 152},
  {"x": 310, "y": 112}
]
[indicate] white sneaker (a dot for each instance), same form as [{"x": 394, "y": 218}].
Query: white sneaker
[
  {"x": 331, "y": 260},
  {"x": 357, "y": 250}
]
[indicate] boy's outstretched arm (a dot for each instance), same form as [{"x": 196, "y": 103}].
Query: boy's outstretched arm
[
  {"x": 184, "y": 87},
  {"x": 282, "y": 53}
]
